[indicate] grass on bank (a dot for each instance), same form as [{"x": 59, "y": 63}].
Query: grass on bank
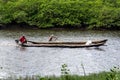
[
  {"x": 113, "y": 74},
  {"x": 100, "y": 76}
]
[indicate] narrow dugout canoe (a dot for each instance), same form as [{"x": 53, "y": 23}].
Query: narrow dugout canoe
[
  {"x": 83, "y": 42},
  {"x": 64, "y": 44}
]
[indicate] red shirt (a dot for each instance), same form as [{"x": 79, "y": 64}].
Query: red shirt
[{"x": 22, "y": 39}]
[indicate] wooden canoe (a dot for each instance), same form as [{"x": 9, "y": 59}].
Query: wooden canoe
[
  {"x": 64, "y": 44},
  {"x": 83, "y": 42}
]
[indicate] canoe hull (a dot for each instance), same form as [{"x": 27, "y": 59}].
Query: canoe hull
[
  {"x": 64, "y": 44},
  {"x": 83, "y": 42}
]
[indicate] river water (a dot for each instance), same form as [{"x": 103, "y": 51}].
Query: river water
[{"x": 18, "y": 61}]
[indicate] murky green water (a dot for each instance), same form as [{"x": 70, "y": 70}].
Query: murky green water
[{"x": 47, "y": 61}]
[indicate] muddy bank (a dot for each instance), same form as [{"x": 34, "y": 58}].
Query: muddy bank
[
  {"x": 65, "y": 27},
  {"x": 17, "y": 26}
]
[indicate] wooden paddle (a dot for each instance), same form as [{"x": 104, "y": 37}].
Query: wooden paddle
[{"x": 32, "y": 42}]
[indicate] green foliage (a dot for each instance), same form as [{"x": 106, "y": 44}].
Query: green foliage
[
  {"x": 66, "y": 13},
  {"x": 113, "y": 75},
  {"x": 65, "y": 70}
]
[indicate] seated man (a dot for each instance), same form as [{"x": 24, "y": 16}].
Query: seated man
[
  {"x": 23, "y": 40},
  {"x": 52, "y": 37}
]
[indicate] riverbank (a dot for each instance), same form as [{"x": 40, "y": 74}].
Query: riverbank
[
  {"x": 15, "y": 26},
  {"x": 113, "y": 74},
  {"x": 100, "y": 76}
]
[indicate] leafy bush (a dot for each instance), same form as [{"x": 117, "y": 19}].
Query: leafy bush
[{"x": 66, "y": 13}]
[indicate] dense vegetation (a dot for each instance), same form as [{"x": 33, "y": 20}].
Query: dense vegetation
[{"x": 92, "y": 14}]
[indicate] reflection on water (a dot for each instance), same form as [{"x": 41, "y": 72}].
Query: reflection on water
[
  {"x": 99, "y": 49},
  {"x": 95, "y": 48},
  {"x": 19, "y": 61},
  {"x": 21, "y": 48}
]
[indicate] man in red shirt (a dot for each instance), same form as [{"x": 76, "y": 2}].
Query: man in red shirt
[{"x": 23, "y": 40}]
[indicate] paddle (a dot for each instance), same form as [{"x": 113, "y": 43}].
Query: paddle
[
  {"x": 32, "y": 42},
  {"x": 55, "y": 38}
]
